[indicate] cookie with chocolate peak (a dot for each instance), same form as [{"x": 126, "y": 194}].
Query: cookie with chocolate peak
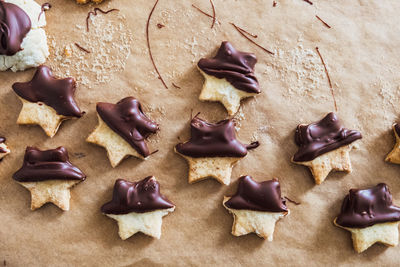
[
  {"x": 48, "y": 175},
  {"x": 394, "y": 155},
  {"x": 47, "y": 101},
  {"x": 138, "y": 207},
  {"x": 256, "y": 207},
  {"x": 229, "y": 77},
  {"x": 370, "y": 216},
  {"x": 212, "y": 150},
  {"x": 324, "y": 146},
  {"x": 123, "y": 129}
]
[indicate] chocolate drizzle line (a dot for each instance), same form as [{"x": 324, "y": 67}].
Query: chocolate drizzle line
[
  {"x": 329, "y": 79},
  {"x": 243, "y": 33},
  {"x": 46, "y": 165},
  {"x": 149, "y": 47},
  {"x": 292, "y": 201},
  {"x": 213, "y": 15},
  {"x": 246, "y": 32},
  {"x": 176, "y": 86},
  {"x": 326, "y": 24},
  {"x": 82, "y": 48},
  {"x": 365, "y": 207},
  {"x": 321, "y": 137},
  {"x": 252, "y": 195},
  {"x": 142, "y": 196},
  {"x": 44, "y": 7},
  {"x": 201, "y": 11},
  {"x": 94, "y": 13},
  {"x": 308, "y": 2}
]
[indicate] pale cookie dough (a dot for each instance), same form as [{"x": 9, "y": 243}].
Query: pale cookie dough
[{"x": 34, "y": 46}]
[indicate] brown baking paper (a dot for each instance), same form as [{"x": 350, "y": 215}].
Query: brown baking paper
[{"x": 362, "y": 57}]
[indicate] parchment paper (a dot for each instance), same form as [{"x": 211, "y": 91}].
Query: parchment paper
[{"x": 361, "y": 51}]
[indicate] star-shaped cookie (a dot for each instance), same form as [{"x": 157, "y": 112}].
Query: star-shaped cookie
[
  {"x": 122, "y": 130},
  {"x": 138, "y": 207},
  {"x": 324, "y": 146},
  {"x": 212, "y": 150},
  {"x": 229, "y": 77},
  {"x": 4, "y": 150},
  {"x": 47, "y": 101},
  {"x": 256, "y": 207},
  {"x": 48, "y": 175},
  {"x": 370, "y": 216},
  {"x": 394, "y": 155}
]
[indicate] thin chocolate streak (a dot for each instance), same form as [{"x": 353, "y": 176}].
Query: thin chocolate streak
[
  {"x": 45, "y": 6},
  {"x": 201, "y": 11},
  {"x": 329, "y": 79},
  {"x": 213, "y": 15},
  {"x": 253, "y": 145},
  {"x": 82, "y": 48},
  {"x": 292, "y": 201},
  {"x": 148, "y": 45},
  {"x": 274, "y": 4},
  {"x": 326, "y": 24},
  {"x": 308, "y": 2},
  {"x": 245, "y": 36},
  {"x": 246, "y": 32},
  {"x": 159, "y": 25},
  {"x": 176, "y": 86},
  {"x": 94, "y": 13}
]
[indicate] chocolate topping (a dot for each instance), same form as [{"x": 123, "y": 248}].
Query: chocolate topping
[
  {"x": 56, "y": 93},
  {"x": 363, "y": 208},
  {"x": 14, "y": 26},
  {"x": 213, "y": 140},
  {"x": 235, "y": 66},
  {"x": 46, "y": 165},
  {"x": 396, "y": 127},
  {"x": 263, "y": 196},
  {"x": 142, "y": 196},
  {"x": 321, "y": 137},
  {"x": 127, "y": 119}
]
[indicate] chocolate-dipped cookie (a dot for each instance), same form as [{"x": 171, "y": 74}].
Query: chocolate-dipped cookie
[
  {"x": 47, "y": 101},
  {"x": 256, "y": 207},
  {"x": 370, "y": 216},
  {"x": 23, "y": 41},
  {"x": 48, "y": 175},
  {"x": 324, "y": 146},
  {"x": 212, "y": 150},
  {"x": 4, "y": 150},
  {"x": 123, "y": 129},
  {"x": 138, "y": 207},
  {"x": 229, "y": 77},
  {"x": 394, "y": 155}
]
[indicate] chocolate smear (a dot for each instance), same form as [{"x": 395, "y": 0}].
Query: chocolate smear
[
  {"x": 14, "y": 26},
  {"x": 54, "y": 92},
  {"x": 234, "y": 66},
  {"x": 95, "y": 13},
  {"x": 321, "y": 137},
  {"x": 142, "y": 196},
  {"x": 212, "y": 140},
  {"x": 46, "y": 165},
  {"x": 365, "y": 207},
  {"x": 127, "y": 119},
  {"x": 252, "y": 195}
]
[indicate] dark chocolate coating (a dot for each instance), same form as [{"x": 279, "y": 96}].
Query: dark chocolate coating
[
  {"x": 56, "y": 93},
  {"x": 212, "y": 140},
  {"x": 263, "y": 196},
  {"x": 321, "y": 137},
  {"x": 235, "y": 66},
  {"x": 46, "y": 165},
  {"x": 365, "y": 207},
  {"x": 142, "y": 196},
  {"x": 127, "y": 119},
  {"x": 14, "y": 26},
  {"x": 396, "y": 127}
]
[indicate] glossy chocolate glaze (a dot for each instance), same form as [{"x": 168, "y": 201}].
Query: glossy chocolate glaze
[
  {"x": 321, "y": 137},
  {"x": 56, "y": 93},
  {"x": 396, "y": 127},
  {"x": 14, "y": 26},
  {"x": 263, "y": 196},
  {"x": 235, "y": 66},
  {"x": 365, "y": 207},
  {"x": 142, "y": 196},
  {"x": 213, "y": 140},
  {"x": 127, "y": 119},
  {"x": 46, "y": 165}
]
